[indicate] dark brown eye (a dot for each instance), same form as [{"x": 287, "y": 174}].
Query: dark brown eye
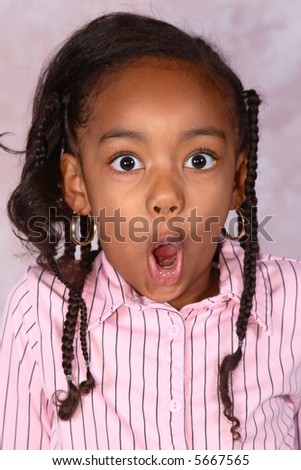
[
  {"x": 200, "y": 161},
  {"x": 126, "y": 163}
]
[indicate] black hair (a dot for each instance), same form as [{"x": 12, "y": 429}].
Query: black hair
[{"x": 61, "y": 106}]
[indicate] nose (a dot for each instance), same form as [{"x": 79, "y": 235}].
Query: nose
[{"x": 165, "y": 196}]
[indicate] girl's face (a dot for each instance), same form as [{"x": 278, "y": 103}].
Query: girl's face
[{"x": 160, "y": 171}]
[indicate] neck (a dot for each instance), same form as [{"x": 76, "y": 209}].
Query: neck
[{"x": 211, "y": 289}]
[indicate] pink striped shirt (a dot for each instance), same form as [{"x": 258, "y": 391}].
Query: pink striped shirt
[{"x": 155, "y": 367}]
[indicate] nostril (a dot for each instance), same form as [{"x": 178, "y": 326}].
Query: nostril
[{"x": 165, "y": 210}]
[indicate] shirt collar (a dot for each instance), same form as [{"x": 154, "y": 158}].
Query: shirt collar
[{"x": 105, "y": 290}]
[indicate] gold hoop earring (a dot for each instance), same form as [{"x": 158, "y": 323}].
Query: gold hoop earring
[
  {"x": 242, "y": 223},
  {"x": 76, "y": 230}
]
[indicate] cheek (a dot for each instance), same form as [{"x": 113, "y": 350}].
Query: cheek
[
  {"x": 105, "y": 194},
  {"x": 120, "y": 231},
  {"x": 213, "y": 198},
  {"x": 212, "y": 205}
]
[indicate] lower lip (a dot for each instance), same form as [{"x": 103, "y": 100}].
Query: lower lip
[{"x": 166, "y": 276}]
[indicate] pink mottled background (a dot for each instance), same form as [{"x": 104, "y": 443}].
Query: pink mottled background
[{"x": 260, "y": 38}]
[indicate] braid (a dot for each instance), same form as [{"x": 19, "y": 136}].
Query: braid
[
  {"x": 251, "y": 247},
  {"x": 70, "y": 403},
  {"x": 49, "y": 123},
  {"x": 39, "y": 188},
  {"x": 76, "y": 305},
  {"x": 86, "y": 256},
  {"x": 41, "y": 144}
]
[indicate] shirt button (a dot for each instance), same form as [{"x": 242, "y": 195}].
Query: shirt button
[
  {"x": 174, "y": 330},
  {"x": 175, "y": 406}
]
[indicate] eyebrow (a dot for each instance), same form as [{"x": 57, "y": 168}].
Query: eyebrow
[
  {"x": 121, "y": 133},
  {"x": 207, "y": 131},
  {"x": 186, "y": 135}
]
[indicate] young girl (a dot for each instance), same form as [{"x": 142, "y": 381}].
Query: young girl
[{"x": 159, "y": 332}]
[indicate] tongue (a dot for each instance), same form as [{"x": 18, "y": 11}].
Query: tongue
[{"x": 165, "y": 255}]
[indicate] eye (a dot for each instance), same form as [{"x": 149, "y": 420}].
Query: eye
[
  {"x": 126, "y": 162},
  {"x": 200, "y": 161}
]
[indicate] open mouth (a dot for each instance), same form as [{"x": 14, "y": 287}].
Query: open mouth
[
  {"x": 165, "y": 255},
  {"x": 165, "y": 262}
]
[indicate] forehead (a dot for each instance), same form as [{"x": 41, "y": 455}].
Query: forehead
[
  {"x": 154, "y": 71},
  {"x": 163, "y": 87}
]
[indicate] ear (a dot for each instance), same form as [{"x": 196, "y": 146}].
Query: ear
[
  {"x": 238, "y": 195},
  {"x": 73, "y": 185}
]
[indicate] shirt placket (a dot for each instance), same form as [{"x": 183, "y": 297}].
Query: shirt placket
[{"x": 177, "y": 405}]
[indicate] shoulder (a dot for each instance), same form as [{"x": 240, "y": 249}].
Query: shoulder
[
  {"x": 283, "y": 274},
  {"x": 279, "y": 272},
  {"x": 278, "y": 294},
  {"x": 45, "y": 298},
  {"x": 33, "y": 297},
  {"x": 278, "y": 281}
]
